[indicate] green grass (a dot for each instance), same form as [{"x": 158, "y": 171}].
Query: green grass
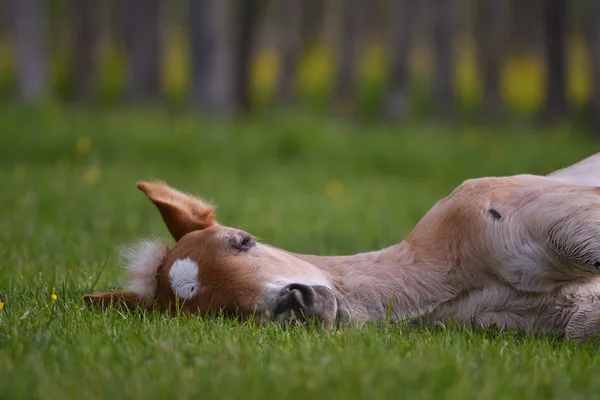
[{"x": 68, "y": 201}]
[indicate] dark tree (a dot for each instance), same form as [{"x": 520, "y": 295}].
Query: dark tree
[
  {"x": 210, "y": 56},
  {"x": 554, "y": 18},
  {"x": 30, "y": 33},
  {"x": 85, "y": 24},
  {"x": 247, "y": 26},
  {"x": 443, "y": 21},
  {"x": 118, "y": 31},
  {"x": 144, "y": 48},
  {"x": 593, "y": 35},
  {"x": 397, "y": 101},
  {"x": 290, "y": 40},
  {"x": 350, "y": 46},
  {"x": 312, "y": 20},
  {"x": 492, "y": 24},
  {"x": 525, "y": 25},
  {"x": 6, "y": 14}
]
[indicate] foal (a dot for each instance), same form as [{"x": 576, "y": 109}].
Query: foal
[{"x": 519, "y": 252}]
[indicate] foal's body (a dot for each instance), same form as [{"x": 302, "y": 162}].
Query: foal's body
[
  {"x": 519, "y": 252},
  {"x": 389, "y": 285},
  {"x": 419, "y": 277}
]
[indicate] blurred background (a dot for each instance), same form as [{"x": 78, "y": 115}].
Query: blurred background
[
  {"x": 290, "y": 115},
  {"x": 320, "y": 126},
  {"x": 392, "y": 60}
]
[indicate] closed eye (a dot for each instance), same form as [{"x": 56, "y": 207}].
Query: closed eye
[
  {"x": 241, "y": 241},
  {"x": 245, "y": 241}
]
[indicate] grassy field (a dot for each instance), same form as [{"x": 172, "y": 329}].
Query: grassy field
[{"x": 68, "y": 201}]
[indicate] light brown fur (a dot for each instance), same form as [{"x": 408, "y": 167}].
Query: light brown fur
[{"x": 519, "y": 252}]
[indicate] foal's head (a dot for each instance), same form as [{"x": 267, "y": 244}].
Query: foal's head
[{"x": 217, "y": 268}]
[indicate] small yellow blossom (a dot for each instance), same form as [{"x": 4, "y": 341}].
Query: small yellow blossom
[
  {"x": 54, "y": 297},
  {"x": 334, "y": 188},
  {"x": 1, "y": 306},
  {"x": 19, "y": 173},
  {"x": 93, "y": 175},
  {"x": 83, "y": 145}
]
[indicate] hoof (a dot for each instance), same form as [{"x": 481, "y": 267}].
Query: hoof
[{"x": 585, "y": 324}]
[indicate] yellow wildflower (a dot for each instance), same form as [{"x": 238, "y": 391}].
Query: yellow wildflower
[
  {"x": 19, "y": 173},
  {"x": 83, "y": 145},
  {"x": 1, "y": 306},
  {"x": 93, "y": 175},
  {"x": 54, "y": 297},
  {"x": 334, "y": 188}
]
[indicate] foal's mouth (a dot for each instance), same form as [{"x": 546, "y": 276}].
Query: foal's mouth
[{"x": 299, "y": 304}]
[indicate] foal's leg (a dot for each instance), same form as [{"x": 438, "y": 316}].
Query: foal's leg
[
  {"x": 566, "y": 221},
  {"x": 584, "y": 324}
]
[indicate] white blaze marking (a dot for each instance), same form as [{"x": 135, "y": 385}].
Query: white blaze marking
[{"x": 184, "y": 278}]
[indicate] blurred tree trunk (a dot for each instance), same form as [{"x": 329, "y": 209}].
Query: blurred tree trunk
[
  {"x": 350, "y": 46},
  {"x": 397, "y": 100},
  {"x": 554, "y": 23},
  {"x": 120, "y": 33},
  {"x": 144, "y": 48},
  {"x": 491, "y": 33},
  {"x": 443, "y": 19},
  {"x": 247, "y": 27},
  {"x": 372, "y": 18},
  {"x": 210, "y": 56},
  {"x": 312, "y": 20},
  {"x": 85, "y": 25},
  {"x": 30, "y": 35},
  {"x": 6, "y": 12},
  {"x": 330, "y": 23},
  {"x": 525, "y": 27},
  {"x": 291, "y": 24},
  {"x": 593, "y": 35}
]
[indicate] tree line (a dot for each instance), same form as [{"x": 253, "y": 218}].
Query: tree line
[{"x": 223, "y": 37}]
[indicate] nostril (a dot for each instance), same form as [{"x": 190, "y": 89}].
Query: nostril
[
  {"x": 296, "y": 297},
  {"x": 306, "y": 292}
]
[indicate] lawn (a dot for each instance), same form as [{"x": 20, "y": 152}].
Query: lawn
[{"x": 68, "y": 201}]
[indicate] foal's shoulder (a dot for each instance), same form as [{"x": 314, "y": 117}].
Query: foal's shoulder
[{"x": 585, "y": 172}]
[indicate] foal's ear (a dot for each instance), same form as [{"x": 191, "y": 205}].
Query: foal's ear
[
  {"x": 182, "y": 213},
  {"x": 128, "y": 300}
]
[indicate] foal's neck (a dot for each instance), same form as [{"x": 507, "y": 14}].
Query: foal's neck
[{"x": 389, "y": 283}]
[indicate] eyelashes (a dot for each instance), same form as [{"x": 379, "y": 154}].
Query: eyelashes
[{"x": 240, "y": 241}]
